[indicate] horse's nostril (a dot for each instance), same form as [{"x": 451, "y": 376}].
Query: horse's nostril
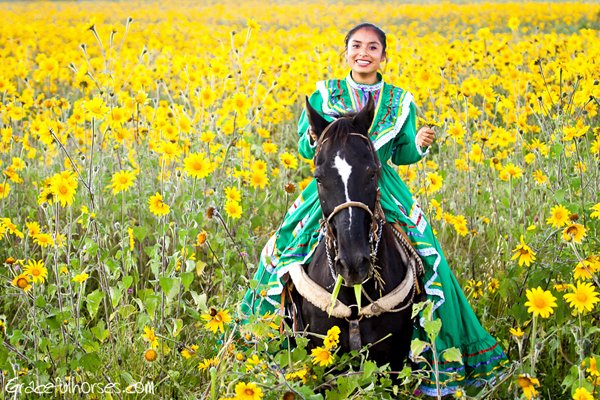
[{"x": 354, "y": 270}]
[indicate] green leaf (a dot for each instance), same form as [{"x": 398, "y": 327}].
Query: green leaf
[
  {"x": 40, "y": 302},
  {"x": 453, "y": 355},
  {"x": 186, "y": 279},
  {"x": 369, "y": 368},
  {"x": 16, "y": 336},
  {"x": 170, "y": 286},
  {"x": 559, "y": 195},
  {"x": 140, "y": 232},
  {"x": 416, "y": 309},
  {"x": 90, "y": 361},
  {"x": 127, "y": 281},
  {"x": 417, "y": 346},
  {"x": 151, "y": 305},
  {"x": 432, "y": 328}
]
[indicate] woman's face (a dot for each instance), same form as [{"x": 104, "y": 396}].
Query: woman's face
[{"x": 364, "y": 55}]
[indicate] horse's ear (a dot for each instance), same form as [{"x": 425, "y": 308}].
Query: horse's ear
[
  {"x": 315, "y": 120},
  {"x": 364, "y": 118}
]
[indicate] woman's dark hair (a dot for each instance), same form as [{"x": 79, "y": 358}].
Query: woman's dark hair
[{"x": 380, "y": 34}]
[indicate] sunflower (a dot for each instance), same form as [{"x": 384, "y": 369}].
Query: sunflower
[
  {"x": 22, "y": 281},
  {"x": 96, "y": 107},
  {"x": 232, "y": 194},
  {"x": 121, "y": 181},
  {"x": 248, "y": 391},
  {"x": 233, "y": 209},
  {"x": 540, "y": 178},
  {"x": 333, "y": 338},
  {"x": 259, "y": 178},
  {"x": 240, "y": 103},
  {"x": 435, "y": 182},
  {"x": 528, "y": 384},
  {"x": 207, "y": 363},
  {"x": 583, "y": 297},
  {"x": 197, "y": 165},
  {"x": 288, "y": 160},
  {"x": 150, "y": 337},
  {"x": 269, "y": 147},
  {"x": 36, "y": 269},
  {"x": 63, "y": 187},
  {"x": 33, "y": 228},
  {"x": 252, "y": 362},
  {"x": 494, "y": 285},
  {"x": 157, "y": 207},
  {"x": 321, "y": 356},
  {"x": 517, "y": 333},
  {"x": 150, "y": 355},
  {"x": 582, "y": 394},
  {"x": 190, "y": 352},
  {"x": 540, "y": 302},
  {"x": 596, "y": 213},
  {"x": 44, "y": 240},
  {"x": 216, "y": 320},
  {"x": 81, "y": 278},
  {"x": 583, "y": 271},
  {"x": 524, "y": 253},
  {"x": 560, "y": 216},
  {"x": 576, "y": 232}
]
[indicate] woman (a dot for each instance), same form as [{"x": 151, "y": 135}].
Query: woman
[{"x": 394, "y": 137}]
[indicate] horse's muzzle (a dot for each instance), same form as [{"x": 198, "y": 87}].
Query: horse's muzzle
[{"x": 354, "y": 268}]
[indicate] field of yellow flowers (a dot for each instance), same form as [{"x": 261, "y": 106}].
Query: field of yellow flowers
[{"x": 148, "y": 150}]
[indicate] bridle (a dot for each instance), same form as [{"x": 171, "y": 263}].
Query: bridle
[{"x": 377, "y": 217}]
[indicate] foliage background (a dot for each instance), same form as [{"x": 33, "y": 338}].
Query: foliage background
[{"x": 90, "y": 89}]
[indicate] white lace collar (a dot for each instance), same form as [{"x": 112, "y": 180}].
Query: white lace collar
[{"x": 364, "y": 86}]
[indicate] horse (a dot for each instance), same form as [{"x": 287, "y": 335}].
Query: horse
[{"x": 357, "y": 245}]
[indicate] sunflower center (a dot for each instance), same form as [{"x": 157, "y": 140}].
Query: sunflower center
[
  {"x": 249, "y": 392},
  {"x": 197, "y": 166},
  {"x": 218, "y": 318},
  {"x": 36, "y": 272},
  {"x": 22, "y": 283},
  {"x": 582, "y": 297},
  {"x": 124, "y": 180},
  {"x": 524, "y": 252},
  {"x": 63, "y": 189},
  {"x": 540, "y": 303},
  {"x": 572, "y": 230}
]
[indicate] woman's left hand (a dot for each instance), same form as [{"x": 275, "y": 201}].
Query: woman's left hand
[{"x": 425, "y": 136}]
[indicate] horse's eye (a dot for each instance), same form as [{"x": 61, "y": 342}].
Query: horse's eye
[
  {"x": 373, "y": 176},
  {"x": 318, "y": 181}
]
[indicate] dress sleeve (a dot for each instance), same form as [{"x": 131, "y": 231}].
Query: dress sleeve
[
  {"x": 405, "y": 150},
  {"x": 306, "y": 146}
]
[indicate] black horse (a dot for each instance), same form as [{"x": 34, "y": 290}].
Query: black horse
[{"x": 358, "y": 245}]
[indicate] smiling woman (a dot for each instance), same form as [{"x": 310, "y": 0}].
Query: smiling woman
[{"x": 395, "y": 138}]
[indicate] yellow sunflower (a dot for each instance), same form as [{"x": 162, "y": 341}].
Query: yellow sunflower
[
  {"x": 524, "y": 253},
  {"x": 232, "y": 194},
  {"x": 36, "y": 269},
  {"x": 321, "y": 356},
  {"x": 259, "y": 178},
  {"x": 22, "y": 281},
  {"x": 248, "y": 391},
  {"x": 157, "y": 207},
  {"x": 528, "y": 384},
  {"x": 583, "y": 297},
  {"x": 560, "y": 216},
  {"x": 121, "y": 181},
  {"x": 575, "y": 232},
  {"x": 540, "y": 302},
  {"x": 288, "y": 160},
  {"x": 233, "y": 209},
  {"x": 197, "y": 165},
  {"x": 216, "y": 320},
  {"x": 582, "y": 394}
]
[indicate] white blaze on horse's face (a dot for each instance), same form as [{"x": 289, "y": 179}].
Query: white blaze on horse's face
[{"x": 344, "y": 169}]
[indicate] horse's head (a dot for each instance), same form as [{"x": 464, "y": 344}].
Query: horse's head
[{"x": 347, "y": 170}]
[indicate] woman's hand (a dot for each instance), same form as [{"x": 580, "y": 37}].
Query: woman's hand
[{"x": 425, "y": 136}]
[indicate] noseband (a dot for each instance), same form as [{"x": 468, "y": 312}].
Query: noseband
[{"x": 377, "y": 217}]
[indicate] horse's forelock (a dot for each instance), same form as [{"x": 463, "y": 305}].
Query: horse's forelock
[{"x": 341, "y": 129}]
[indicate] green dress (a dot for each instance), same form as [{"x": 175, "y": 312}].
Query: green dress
[{"x": 393, "y": 135}]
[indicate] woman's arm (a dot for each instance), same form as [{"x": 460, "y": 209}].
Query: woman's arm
[
  {"x": 306, "y": 145},
  {"x": 408, "y": 143}
]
